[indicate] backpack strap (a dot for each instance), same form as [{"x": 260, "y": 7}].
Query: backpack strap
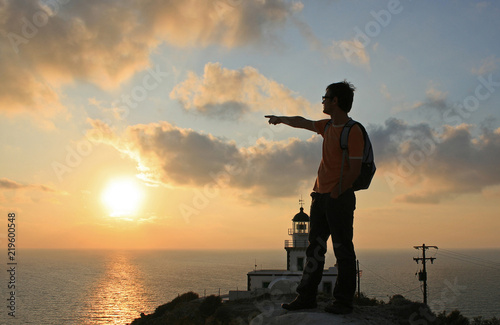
[
  {"x": 344, "y": 137},
  {"x": 327, "y": 126}
]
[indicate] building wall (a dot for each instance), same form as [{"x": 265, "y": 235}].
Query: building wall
[
  {"x": 262, "y": 281},
  {"x": 294, "y": 255}
]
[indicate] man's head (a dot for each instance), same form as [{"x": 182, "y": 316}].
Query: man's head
[{"x": 344, "y": 91}]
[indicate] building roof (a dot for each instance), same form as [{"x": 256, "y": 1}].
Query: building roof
[{"x": 301, "y": 216}]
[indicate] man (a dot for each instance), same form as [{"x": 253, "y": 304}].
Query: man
[{"x": 333, "y": 201}]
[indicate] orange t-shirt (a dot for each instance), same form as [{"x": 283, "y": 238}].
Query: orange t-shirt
[{"x": 331, "y": 161}]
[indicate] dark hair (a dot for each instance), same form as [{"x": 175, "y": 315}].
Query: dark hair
[{"x": 344, "y": 91}]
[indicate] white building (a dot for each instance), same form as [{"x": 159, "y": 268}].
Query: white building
[{"x": 286, "y": 281}]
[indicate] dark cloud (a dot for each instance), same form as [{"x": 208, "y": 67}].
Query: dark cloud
[
  {"x": 459, "y": 160},
  {"x": 397, "y": 137},
  {"x": 13, "y": 185},
  {"x": 280, "y": 168},
  {"x": 10, "y": 185},
  {"x": 231, "y": 110},
  {"x": 180, "y": 156},
  {"x": 434, "y": 166},
  {"x": 173, "y": 156}
]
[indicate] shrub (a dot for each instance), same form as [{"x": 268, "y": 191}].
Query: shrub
[
  {"x": 453, "y": 318},
  {"x": 362, "y": 300},
  {"x": 210, "y": 305},
  {"x": 185, "y": 297},
  {"x": 480, "y": 321}
]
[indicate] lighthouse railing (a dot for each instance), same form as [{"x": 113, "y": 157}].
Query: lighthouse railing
[{"x": 296, "y": 243}]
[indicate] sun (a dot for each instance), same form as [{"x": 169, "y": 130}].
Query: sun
[{"x": 122, "y": 197}]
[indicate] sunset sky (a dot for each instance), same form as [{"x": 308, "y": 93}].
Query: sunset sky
[{"x": 140, "y": 124}]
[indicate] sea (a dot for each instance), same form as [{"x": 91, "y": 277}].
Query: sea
[{"x": 115, "y": 286}]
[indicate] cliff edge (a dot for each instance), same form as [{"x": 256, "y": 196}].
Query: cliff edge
[{"x": 190, "y": 309}]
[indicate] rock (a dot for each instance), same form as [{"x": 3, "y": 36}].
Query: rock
[
  {"x": 266, "y": 310},
  {"x": 273, "y": 314},
  {"x": 318, "y": 318}
]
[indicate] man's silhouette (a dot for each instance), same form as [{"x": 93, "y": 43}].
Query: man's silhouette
[{"x": 333, "y": 201}]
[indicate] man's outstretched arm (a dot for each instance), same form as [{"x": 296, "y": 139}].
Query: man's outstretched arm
[{"x": 293, "y": 121}]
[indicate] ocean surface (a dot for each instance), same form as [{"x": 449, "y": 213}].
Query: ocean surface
[{"x": 114, "y": 287}]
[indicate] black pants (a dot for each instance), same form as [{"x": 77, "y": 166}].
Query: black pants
[{"x": 331, "y": 217}]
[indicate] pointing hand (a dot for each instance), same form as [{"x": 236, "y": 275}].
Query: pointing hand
[{"x": 273, "y": 119}]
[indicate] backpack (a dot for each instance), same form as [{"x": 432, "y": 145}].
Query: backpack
[{"x": 367, "y": 164}]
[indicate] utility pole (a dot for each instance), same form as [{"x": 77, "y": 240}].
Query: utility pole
[
  {"x": 422, "y": 275},
  {"x": 359, "y": 275}
]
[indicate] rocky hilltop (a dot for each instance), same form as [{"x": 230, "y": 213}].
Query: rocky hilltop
[{"x": 190, "y": 309}]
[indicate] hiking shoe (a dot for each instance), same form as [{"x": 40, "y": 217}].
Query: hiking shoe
[
  {"x": 338, "y": 309},
  {"x": 300, "y": 303}
]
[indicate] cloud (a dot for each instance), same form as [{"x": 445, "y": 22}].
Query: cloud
[
  {"x": 21, "y": 91},
  {"x": 399, "y": 101},
  {"x": 432, "y": 166},
  {"x": 397, "y": 137},
  {"x": 48, "y": 44},
  {"x": 168, "y": 154},
  {"x": 385, "y": 92},
  {"x": 353, "y": 51},
  {"x": 100, "y": 42},
  {"x": 468, "y": 163},
  {"x": 436, "y": 166},
  {"x": 435, "y": 105},
  {"x": 172, "y": 156},
  {"x": 8, "y": 184},
  {"x": 307, "y": 32},
  {"x": 482, "y": 5},
  {"x": 436, "y": 96},
  {"x": 226, "y": 93},
  {"x": 488, "y": 65},
  {"x": 228, "y": 23},
  {"x": 279, "y": 169}
]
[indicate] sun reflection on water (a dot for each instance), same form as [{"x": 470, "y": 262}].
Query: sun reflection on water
[{"x": 118, "y": 294}]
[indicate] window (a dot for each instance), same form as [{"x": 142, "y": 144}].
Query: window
[
  {"x": 301, "y": 227},
  {"x": 327, "y": 287},
  {"x": 300, "y": 263}
]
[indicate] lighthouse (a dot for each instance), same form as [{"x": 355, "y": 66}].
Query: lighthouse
[
  {"x": 296, "y": 247},
  {"x": 286, "y": 281}
]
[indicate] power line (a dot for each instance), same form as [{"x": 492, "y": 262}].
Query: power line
[
  {"x": 470, "y": 256},
  {"x": 442, "y": 252},
  {"x": 470, "y": 262},
  {"x": 470, "y": 259},
  {"x": 402, "y": 293},
  {"x": 388, "y": 281}
]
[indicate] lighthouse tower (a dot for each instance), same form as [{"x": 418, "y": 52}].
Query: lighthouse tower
[
  {"x": 296, "y": 247},
  {"x": 282, "y": 281}
]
